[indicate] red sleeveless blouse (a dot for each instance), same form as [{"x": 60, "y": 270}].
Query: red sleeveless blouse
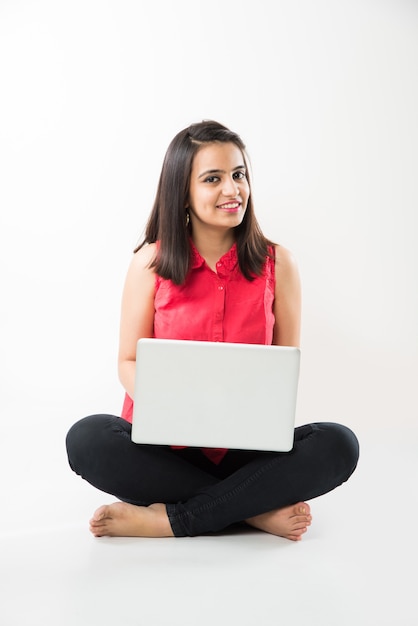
[{"x": 214, "y": 306}]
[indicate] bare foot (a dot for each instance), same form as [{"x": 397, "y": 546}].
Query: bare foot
[
  {"x": 290, "y": 522},
  {"x": 127, "y": 520}
]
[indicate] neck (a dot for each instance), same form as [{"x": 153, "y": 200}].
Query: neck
[{"x": 212, "y": 246}]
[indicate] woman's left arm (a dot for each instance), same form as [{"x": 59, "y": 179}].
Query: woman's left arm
[{"x": 287, "y": 300}]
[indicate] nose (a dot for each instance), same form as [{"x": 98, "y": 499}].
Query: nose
[{"x": 231, "y": 187}]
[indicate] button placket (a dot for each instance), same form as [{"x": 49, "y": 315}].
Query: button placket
[{"x": 219, "y": 310}]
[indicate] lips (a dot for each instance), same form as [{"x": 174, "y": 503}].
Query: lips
[{"x": 229, "y": 207}]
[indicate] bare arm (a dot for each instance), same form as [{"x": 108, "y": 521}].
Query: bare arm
[
  {"x": 137, "y": 314},
  {"x": 287, "y": 303}
]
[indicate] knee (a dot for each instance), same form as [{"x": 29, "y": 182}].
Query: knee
[
  {"x": 83, "y": 438},
  {"x": 344, "y": 445},
  {"x": 75, "y": 442},
  {"x": 339, "y": 446}
]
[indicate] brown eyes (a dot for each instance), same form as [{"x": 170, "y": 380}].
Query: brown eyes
[{"x": 215, "y": 179}]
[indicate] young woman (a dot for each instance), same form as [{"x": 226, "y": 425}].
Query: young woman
[{"x": 202, "y": 234}]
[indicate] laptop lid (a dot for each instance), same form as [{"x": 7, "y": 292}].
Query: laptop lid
[{"x": 210, "y": 394}]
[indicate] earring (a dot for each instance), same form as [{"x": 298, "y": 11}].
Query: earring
[{"x": 187, "y": 219}]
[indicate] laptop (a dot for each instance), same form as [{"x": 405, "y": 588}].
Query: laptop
[{"x": 214, "y": 394}]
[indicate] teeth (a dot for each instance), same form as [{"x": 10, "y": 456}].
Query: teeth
[{"x": 232, "y": 205}]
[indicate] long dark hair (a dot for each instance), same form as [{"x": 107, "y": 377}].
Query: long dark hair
[{"x": 167, "y": 221}]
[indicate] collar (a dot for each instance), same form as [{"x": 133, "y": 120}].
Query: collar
[{"x": 229, "y": 260}]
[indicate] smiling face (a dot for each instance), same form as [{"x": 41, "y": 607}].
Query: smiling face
[{"x": 219, "y": 189}]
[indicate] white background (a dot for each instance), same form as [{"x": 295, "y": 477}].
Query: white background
[{"x": 325, "y": 95}]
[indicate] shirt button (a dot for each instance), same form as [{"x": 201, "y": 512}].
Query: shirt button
[{"x": 220, "y": 287}]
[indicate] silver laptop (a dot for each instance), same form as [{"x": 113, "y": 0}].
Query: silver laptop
[{"x": 222, "y": 395}]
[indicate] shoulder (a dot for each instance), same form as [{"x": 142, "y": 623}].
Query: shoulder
[
  {"x": 286, "y": 268},
  {"x": 285, "y": 260},
  {"x": 140, "y": 271},
  {"x": 144, "y": 256},
  {"x": 141, "y": 261}
]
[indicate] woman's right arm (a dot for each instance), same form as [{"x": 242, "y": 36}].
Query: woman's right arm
[{"x": 137, "y": 313}]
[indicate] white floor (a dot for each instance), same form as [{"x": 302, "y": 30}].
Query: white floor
[{"x": 356, "y": 566}]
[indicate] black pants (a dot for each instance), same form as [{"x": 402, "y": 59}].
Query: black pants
[{"x": 203, "y": 497}]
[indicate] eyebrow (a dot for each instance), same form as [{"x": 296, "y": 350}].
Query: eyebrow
[{"x": 216, "y": 171}]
